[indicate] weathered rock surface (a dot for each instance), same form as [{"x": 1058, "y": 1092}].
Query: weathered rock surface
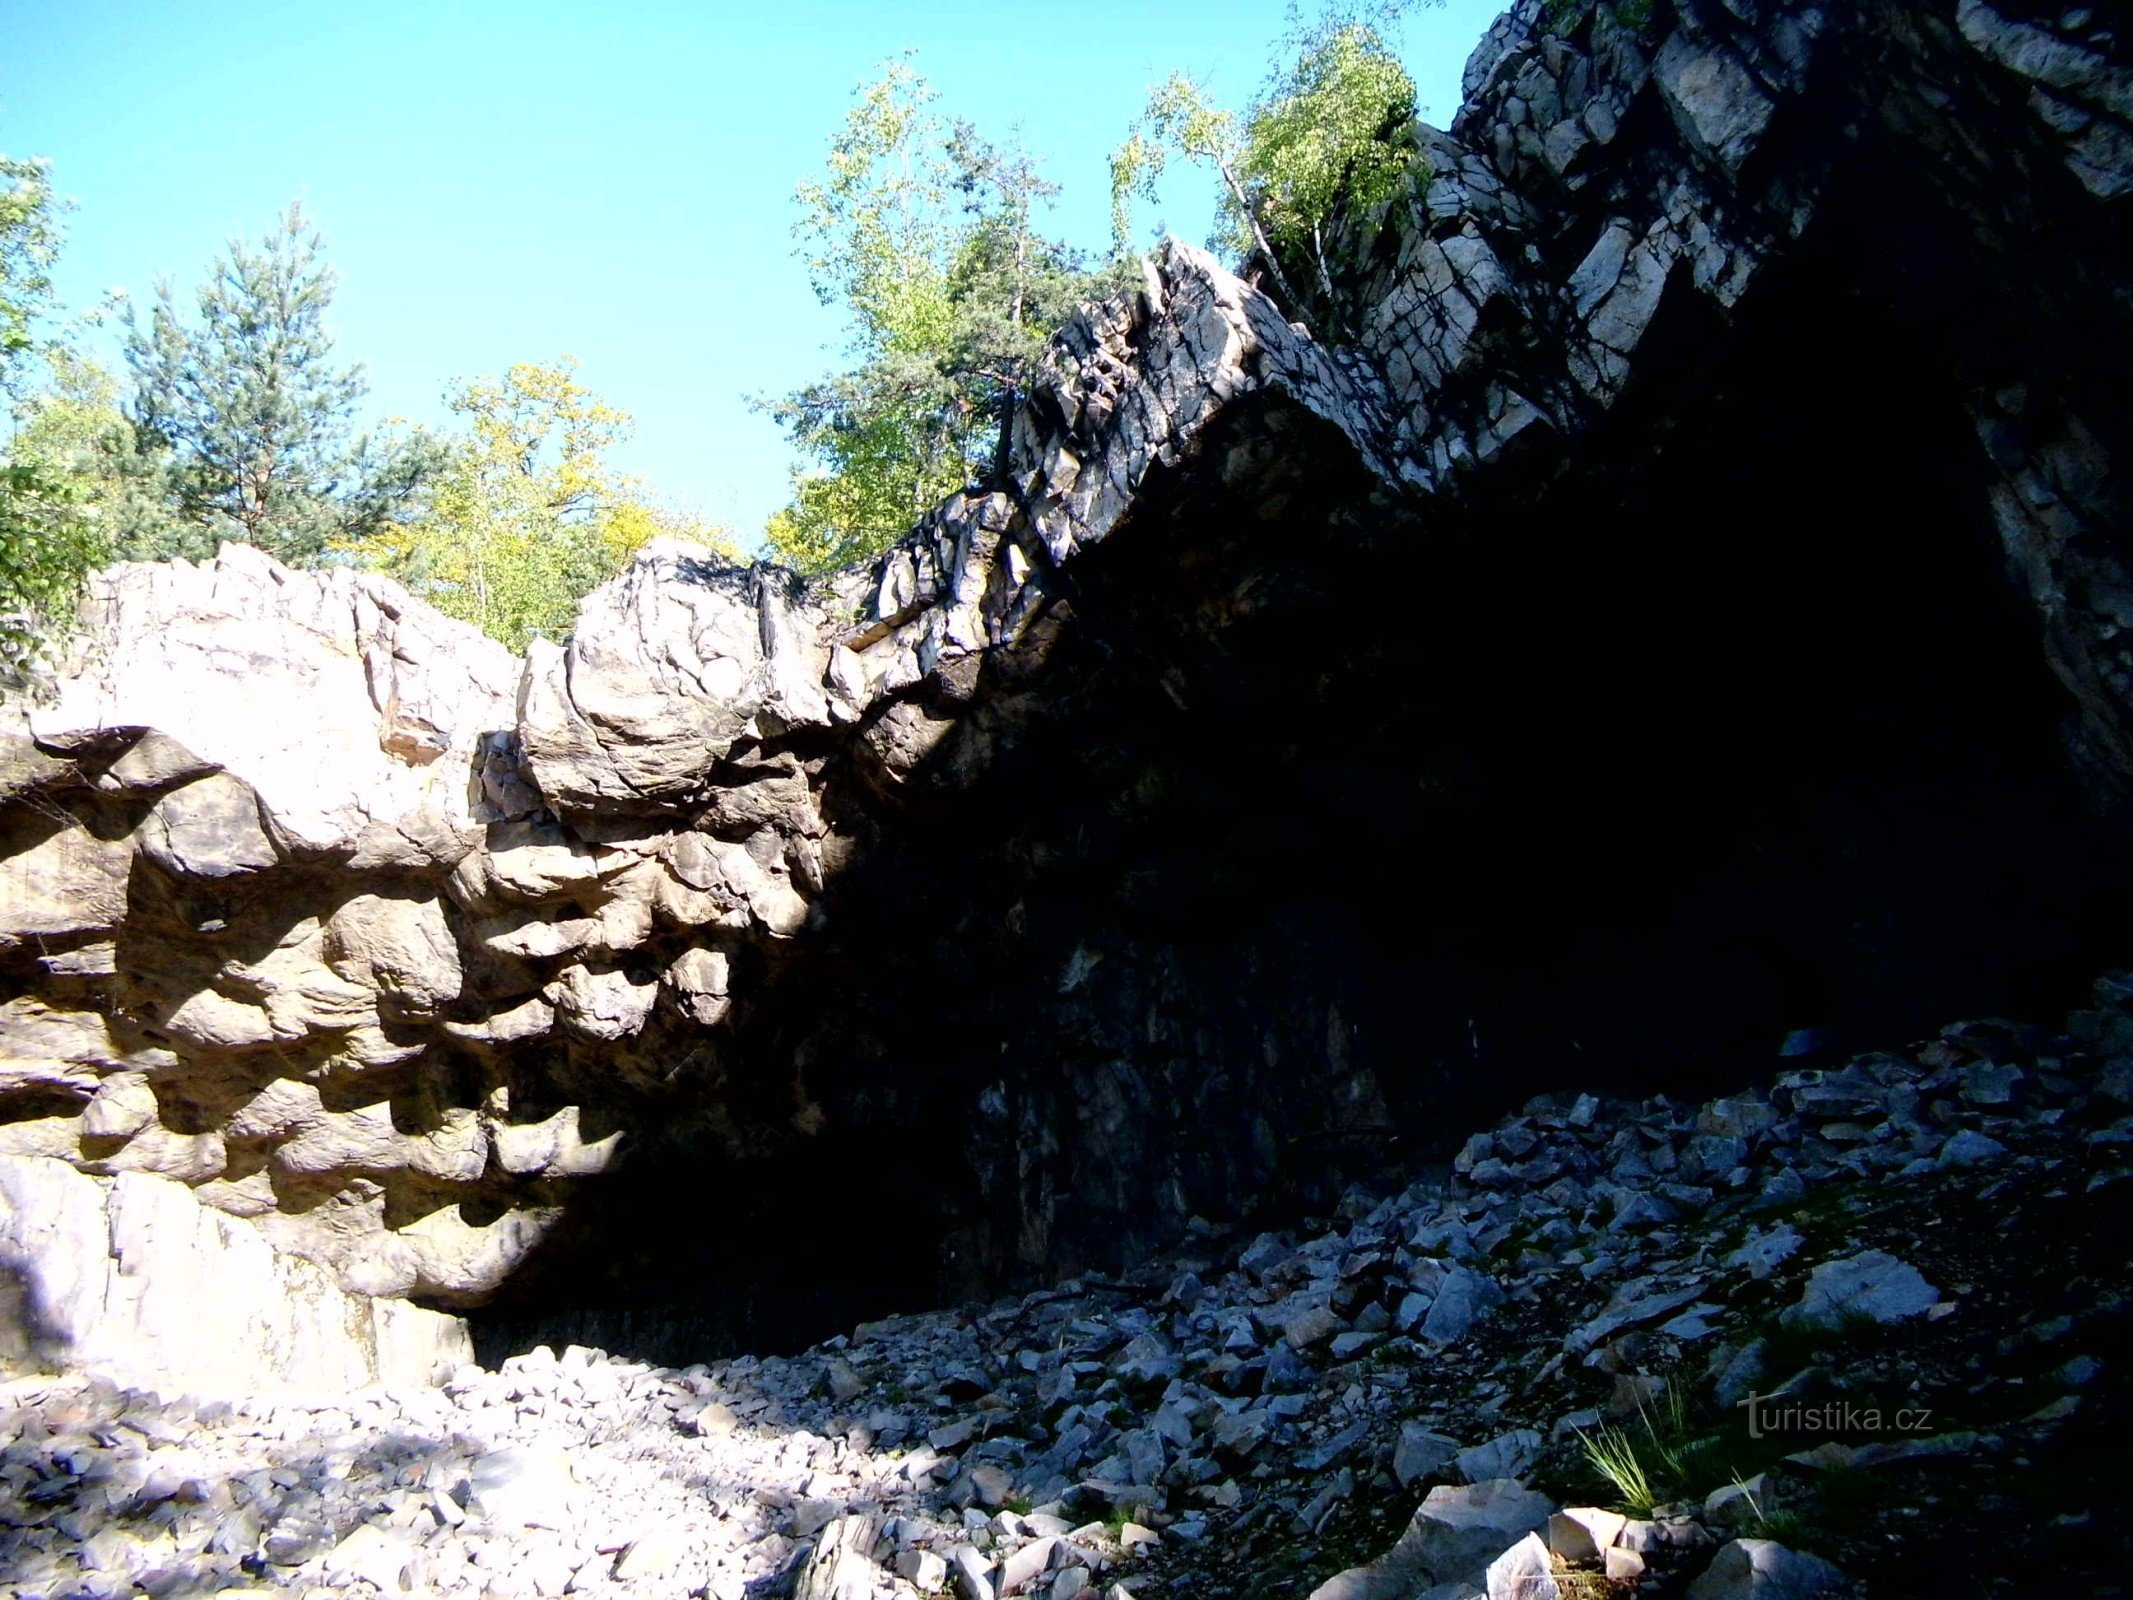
[
  {"x": 317, "y": 903},
  {"x": 134, "y": 1279}
]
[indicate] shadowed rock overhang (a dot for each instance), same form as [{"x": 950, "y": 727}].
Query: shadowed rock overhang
[{"x": 1675, "y": 600}]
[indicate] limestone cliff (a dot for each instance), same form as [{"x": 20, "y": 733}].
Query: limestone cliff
[{"x": 1331, "y": 722}]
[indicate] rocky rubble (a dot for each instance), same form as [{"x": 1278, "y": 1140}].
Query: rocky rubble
[{"x": 1231, "y": 1421}]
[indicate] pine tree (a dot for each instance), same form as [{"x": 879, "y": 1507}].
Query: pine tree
[{"x": 257, "y": 420}]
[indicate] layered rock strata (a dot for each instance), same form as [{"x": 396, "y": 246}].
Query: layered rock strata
[{"x": 321, "y": 905}]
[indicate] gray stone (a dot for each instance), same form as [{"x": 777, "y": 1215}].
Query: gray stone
[
  {"x": 1465, "y": 1298},
  {"x": 1966, "y": 1147},
  {"x": 1763, "y": 1251},
  {"x": 523, "y": 1487},
  {"x": 972, "y": 1573},
  {"x": 1715, "y": 101},
  {"x": 1872, "y": 1284},
  {"x": 1421, "y": 1453},
  {"x": 374, "y": 1555},
  {"x": 1759, "y": 1569},
  {"x": 1026, "y": 1565},
  {"x": 1454, "y": 1534},
  {"x": 133, "y": 1277},
  {"x": 1523, "y": 1572},
  {"x": 1629, "y": 1310},
  {"x": 652, "y": 1554},
  {"x": 1508, "y": 1455},
  {"x": 1581, "y": 1533},
  {"x": 923, "y": 1569}
]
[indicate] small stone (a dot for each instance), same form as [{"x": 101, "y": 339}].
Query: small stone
[
  {"x": 712, "y": 1420},
  {"x": 550, "y": 1569},
  {"x": 1454, "y": 1533},
  {"x": 291, "y": 1544},
  {"x": 523, "y": 1487},
  {"x": 1508, "y": 1455},
  {"x": 1763, "y": 1252},
  {"x": 1465, "y": 1298},
  {"x": 810, "y": 1517},
  {"x": 1310, "y": 1327},
  {"x": 1580, "y": 1533},
  {"x": 1967, "y": 1147},
  {"x": 1871, "y": 1284},
  {"x": 373, "y": 1554},
  {"x": 1025, "y": 1566},
  {"x": 1523, "y": 1572},
  {"x": 1761, "y": 1569},
  {"x": 1264, "y": 1254},
  {"x": 1641, "y": 1210},
  {"x": 923, "y": 1569},
  {"x": 1421, "y": 1453},
  {"x": 653, "y": 1553},
  {"x": 972, "y": 1573},
  {"x": 1731, "y": 1501}
]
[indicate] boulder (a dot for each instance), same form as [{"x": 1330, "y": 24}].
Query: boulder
[
  {"x": 1872, "y": 1284},
  {"x": 1760, "y": 1569},
  {"x": 1454, "y": 1534}
]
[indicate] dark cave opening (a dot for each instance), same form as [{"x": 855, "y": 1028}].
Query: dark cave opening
[{"x": 1333, "y": 833}]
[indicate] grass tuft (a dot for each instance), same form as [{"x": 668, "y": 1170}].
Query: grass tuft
[
  {"x": 1613, "y": 1454},
  {"x": 1661, "y": 1460}
]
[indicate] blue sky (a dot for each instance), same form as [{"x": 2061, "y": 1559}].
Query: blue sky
[{"x": 507, "y": 182}]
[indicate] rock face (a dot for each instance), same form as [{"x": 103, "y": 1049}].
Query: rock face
[
  {"x": 132, "y": 1278},
  {"x": 1052, "y": 856}
]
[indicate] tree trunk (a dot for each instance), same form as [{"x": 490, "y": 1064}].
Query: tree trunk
[{"x": 1266, "y": 250}]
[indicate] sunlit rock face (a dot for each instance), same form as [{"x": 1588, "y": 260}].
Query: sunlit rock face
[{"x": 1668, "y": 599}]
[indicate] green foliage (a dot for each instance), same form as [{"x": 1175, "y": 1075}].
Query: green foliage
[
  {"x": 924, "y": 236},
  {"x": 1334, "y": 129},
  {"x": 29, "y": 242},
  {"x": 1180, "y": 119},
  {"x": 1614, "y": 1455},
  {"x": 1339, "y": 130},
  {"x": 256, "y": 418},
  {"x": 74, "y": 428},
  {"x": 46, "y": 548},
  {"x": 525, "y": 516},
  {"x": 47, "y": 541},
  {"x": 1663, "y": 1459}
]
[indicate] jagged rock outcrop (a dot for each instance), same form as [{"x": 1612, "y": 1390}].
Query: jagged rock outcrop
[{"x": 316, "y": 902}]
